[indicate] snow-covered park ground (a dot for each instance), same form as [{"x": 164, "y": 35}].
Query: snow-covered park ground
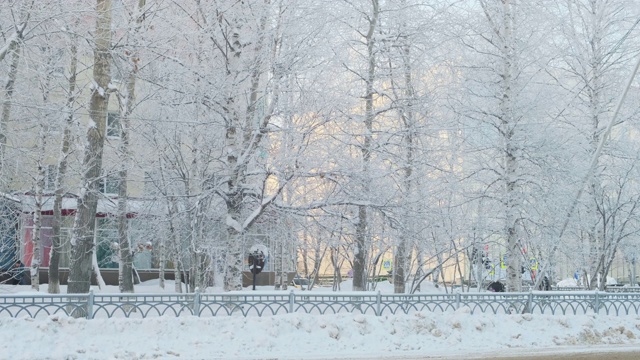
[{"x": 458, "y": 335}]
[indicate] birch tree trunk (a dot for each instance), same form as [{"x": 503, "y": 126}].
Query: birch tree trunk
[
  {"x": 593, "y": 79},
  {"x": 175, "y": 240},
  {"x": 245, "y": 129},
  {"x": 84, "y": 226},
  {"x": 37, "y": 215},
  {"x": 40, "y": 178},
  {"x": 12, "y": 46},
  {"x": 8, "y": 98},
  {"x": 172, "y": 212},
  {"x": 56, "y": 246},
  {"x": 125, "y": 276},
  {"x": 403, "y": 253},
  {"x": 360, "y": 275},
  {"x": 507, "y": 126},
  {"x": 176, "y": 243},
  {"x": 502, "y": 24}
]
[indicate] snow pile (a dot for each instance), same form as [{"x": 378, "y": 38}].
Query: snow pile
[
  {"x": 571, "y": 282},
  {"x": 296, "y": 336},
  {"x": 567, "y": 283}
]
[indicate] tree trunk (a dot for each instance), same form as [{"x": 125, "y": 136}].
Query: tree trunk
[
  {"x": 514, "y": 252},
  {"x": 176, "y": 244},
  {"x": 96, "y": 269},
  {"x": 56, "y": 246},
  {"x": 172, "y": 210},
  {"x": 403, "y": 254},
  {"x": 360, "y": 247},
  {"x": 162, "y": 253},
  {"x": 37, "y": 215},
  {"x": 125, "y": 277},
  {"x": 40, "y": 179},
  {"x": 337, "y": 265},
  {"x": 13, "y": 41},
  {"x": 13, "y": 46},
  {"x": 233, "y": 275},
  {"x": 84, "y": 226},
  {"x": 234, "y": 259},
  {"x": 8, "y": 98}
]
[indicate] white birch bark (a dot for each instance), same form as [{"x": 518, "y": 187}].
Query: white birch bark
[
  {"x": 174, "y": 243},
  {"x": 56, "y": 246},
  {"x": 96, "y": 270},
  {"x": 360, "y": 275},
  {"x": 7, "y": 102},
  {"x": 507, "y": 125},
  {"x": 127, "y": 100},
  {"x": 240, "y": 142},
  {"x": 402, "y": 258},
  {"x": 13, "y": 46},
  {"x": 37, "y": 215},
  {"x": 500, "y": 17}
]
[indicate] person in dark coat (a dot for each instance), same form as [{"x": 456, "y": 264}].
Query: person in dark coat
[
  {"x": 17, "y": 274},
  {"x": 496, "y": 286}
]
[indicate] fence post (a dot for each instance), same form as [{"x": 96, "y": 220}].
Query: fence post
[
  {"x": 458, "y": 299},
  {"x": 90, "y": 300},
  {"x": 597, "y": 302},
  {"x": 378, "y": 302},
  {"x": 196, "y": 302},
  {"x": 291, "y": 302}
]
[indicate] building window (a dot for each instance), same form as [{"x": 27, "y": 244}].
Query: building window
[
  {"x": 113, "y": 125},
  {"x": 107, "y": 243},
  {"x": 109, "y": 185}
]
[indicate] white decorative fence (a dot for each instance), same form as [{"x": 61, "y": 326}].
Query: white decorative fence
[{"x": 101, "y": 305}]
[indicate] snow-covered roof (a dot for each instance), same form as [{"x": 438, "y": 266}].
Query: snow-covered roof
[
  {"x": 106, "y": 205},
  {"x": 9, "y": 197}
]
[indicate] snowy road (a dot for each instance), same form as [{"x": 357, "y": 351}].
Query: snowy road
[
  {"x": 625, "y": 355},
  {"x": 614, "y": 352},
  {"x": 609, "y": 352},
  {"x": 580, "y": 356}
]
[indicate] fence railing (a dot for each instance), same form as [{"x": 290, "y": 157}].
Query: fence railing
[
  {"x": 614, "y": 289},
  {"x": 100, "y": 305}
]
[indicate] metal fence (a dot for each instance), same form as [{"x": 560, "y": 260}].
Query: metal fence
[
  {"x": 92, "y": 305},
  {"x": 614, "y": 289}
]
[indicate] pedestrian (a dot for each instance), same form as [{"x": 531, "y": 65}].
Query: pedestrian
[
  {"x": 17, "y": 274},
  {"x": 496, "y": 286}
]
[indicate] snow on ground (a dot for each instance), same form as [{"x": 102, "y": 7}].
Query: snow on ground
[{"x": 299, "y": 336}]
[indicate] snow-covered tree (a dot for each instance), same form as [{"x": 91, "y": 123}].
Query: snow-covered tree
[
  {"x": 84, "y": 226},
  {"x": 599, "y": 38}
]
